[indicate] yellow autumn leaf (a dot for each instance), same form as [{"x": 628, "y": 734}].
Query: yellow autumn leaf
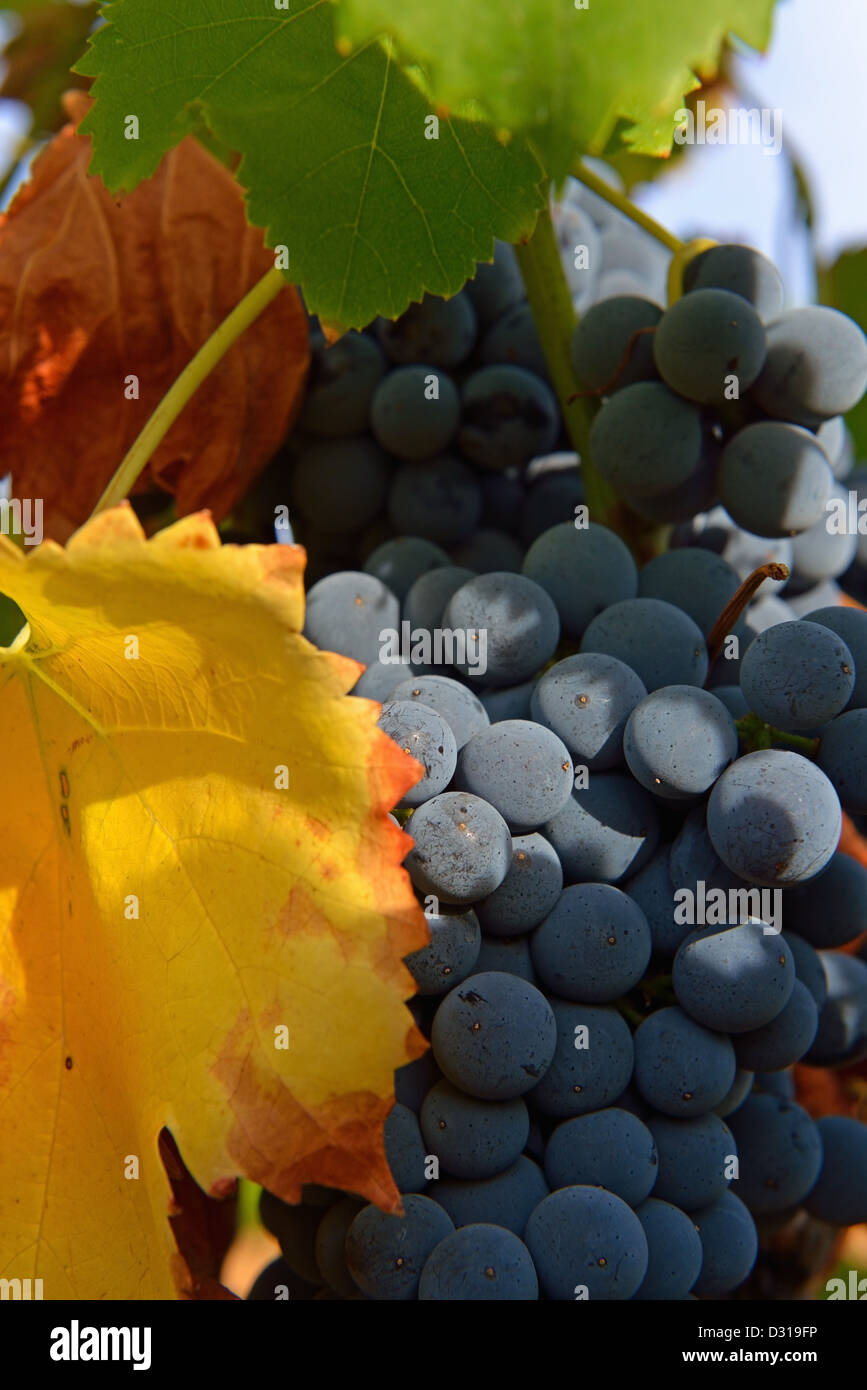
[{"x": 170, "y": 912}]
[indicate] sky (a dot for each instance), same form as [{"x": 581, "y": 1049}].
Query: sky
[{"x": 814, "y": 74}]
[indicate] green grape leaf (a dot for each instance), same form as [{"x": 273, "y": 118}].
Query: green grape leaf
[
  {"x": 565, "y": 74},
  {"x": 336, "y": 163},
  {"x": 843, "y": 286}
]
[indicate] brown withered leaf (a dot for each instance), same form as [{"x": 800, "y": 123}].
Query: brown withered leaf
[{"x": 95, "y": 290}]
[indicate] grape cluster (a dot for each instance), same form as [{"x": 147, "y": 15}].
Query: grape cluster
[{"x": 626, "y": 845}]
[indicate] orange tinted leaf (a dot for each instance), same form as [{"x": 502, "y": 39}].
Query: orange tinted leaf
[
  {"x": 167, "y": 908},
  {"x": 96, "y": 291}
]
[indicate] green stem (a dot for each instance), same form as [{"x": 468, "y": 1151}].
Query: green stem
[
  {"x": 555, "y": 318},
  {"x": 755, "y": 733},
  {"x": 189, "y": 381},
  {"x": 625, "y": 205},
  {"x": 554, "y": 314}
]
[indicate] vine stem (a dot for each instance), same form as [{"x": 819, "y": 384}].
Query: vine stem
[
  {"x": 197, "y": 369},
  {"x": 555, "y": 318},
  {"x": 584, "y": 175},
  {"x": 756, "y": 733}
]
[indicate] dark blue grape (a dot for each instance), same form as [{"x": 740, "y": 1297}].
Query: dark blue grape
[
  {"x": 487, "y": 552},
  {"x": 331, "y": 1243},
  {"x": 851, "y": 625},
  {"x": 740, "y": 270},
  {"x": 438, "y": 499},
  {"x": 504, "y": 499},
  {"x": 831, "y": 909},
  {"x": 494, "y": 1036},
  {"x": 780, "y": 1152},
  {"x": 347, "y": 612},
  {"x": 594, "y": 945},
  {"x": 608, "y": 1148},
  {"x": 840, "y": 1194},
  {"x": 774, "y": 479},
  {"x": 785, "y": 1039},
  {"x": 816, "y": 366},
  {"x": 521, "y": 768},
  {"x": 462, "y": 849},
  {"x": 554, "y": 497},
  {"x": 509, "y": 416},
  {"x": 733, "y": 698},
  {"x": 733, "y": 979},
  {"x": 738, "y": 1092},
  {"x": 605, "y": 831},
  {"x": 473, "y": 1138},
  {"x": 584, "y": 569},
  {"x": 518, "y": 619},
  {"x": 510, "y": 954},
  {"x": 778, "y": 1083},
  {"x": 424, "y": 603},
  {"x": 681, "y": 1068},
  {"x": 587, "y": 1243},
  {"x": 343, "y": 378},
  {"x": 529, "y": 891},
  {"x": 399, "y": 562},
  {"x": 436, "y": 330},
  {"x": 386, "y": 1254},
  {"x": 339, "y": 485},
  {"x": 694, "y": 859},
  {"x": 404, "y": 1149},
  {"x": 797, "y": 675},
  {"x": 506, "y": 1200},
  {"x": 514, "y": 338},
  {"x": 586, "y": 700},
  {"x": 646, "y": 441},
  {"x": 841, "y": 1037},
  {"x": 729, "y": 1245},
  {"x": 704, "y": 340},
  {"x": 451, "y": 955},
  {"x": 609, "y": 349},
  {"x": 774, "y": 817},
  {"x": 415, "y": 412},
  {"x": 413, "y": 1081},
  {"x": 821, "y": 554},
  {"x": 808, "y": 966},
  {"x": 660, "y": 642},
  {"x": 496, "y": 285},
  {"x": 843, "y": 759},
  {"x": 695, "y": 580},
  {"x": 295, "y": 1228},
  {"x": 420, "y": 732},
  {"x": 653, "y": 890},
  {"x": 673, "y": 1251},
  {"x": 694, "y": 1159},
  {"x": 455, "y": 703},
  {"x": 480, "y": 1263},
  {"x": 678, "y": 740},
  {"x": 592, "y": 1062},
  {"x": 512, "y": 702}
]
